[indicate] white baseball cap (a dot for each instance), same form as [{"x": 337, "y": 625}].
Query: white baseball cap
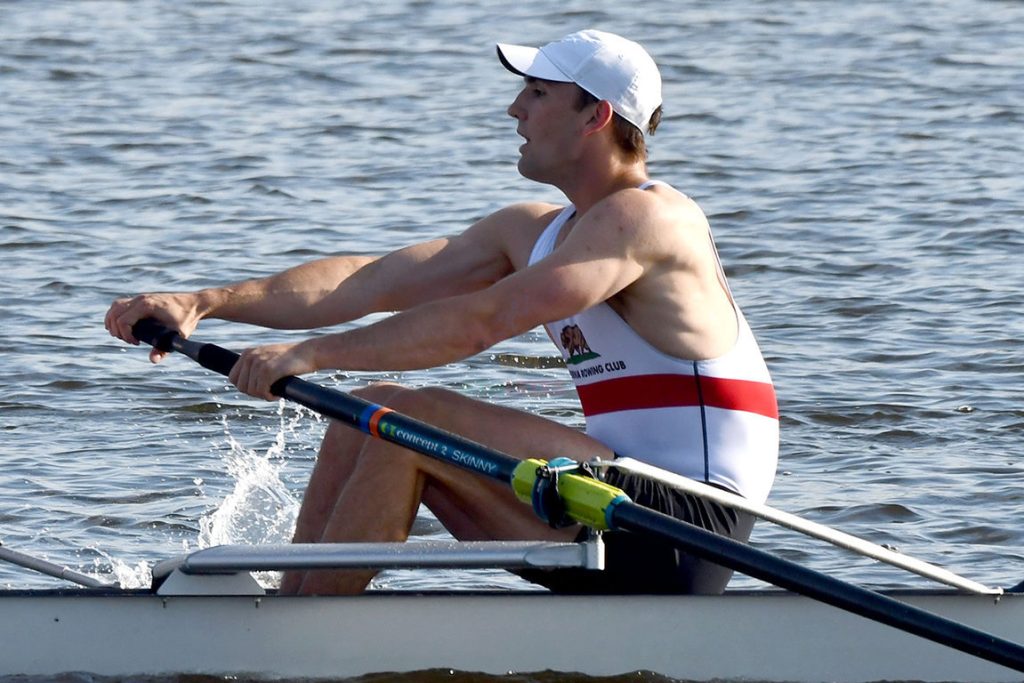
[{"x": 607, "y": 66}]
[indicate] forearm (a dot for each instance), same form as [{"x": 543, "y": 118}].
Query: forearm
[
  {"x": 405, "y": 341},
  {"x": 297, "y": 298},
  {"x": 427, "y": 336},
  {"x": 334, "y": 290}
]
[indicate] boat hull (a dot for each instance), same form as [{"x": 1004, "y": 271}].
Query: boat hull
[{"x": 755, "y": 635}]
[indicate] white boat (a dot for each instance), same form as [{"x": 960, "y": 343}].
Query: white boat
[{"x": 203, "y": 620}]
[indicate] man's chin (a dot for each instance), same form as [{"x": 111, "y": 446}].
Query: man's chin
[{"x": 528, "y": 171}]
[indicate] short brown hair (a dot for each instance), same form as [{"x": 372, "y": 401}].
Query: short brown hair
[{"x": 627, "y": 136}]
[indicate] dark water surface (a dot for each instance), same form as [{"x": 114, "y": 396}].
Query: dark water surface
[{"x": 860, "y": 164}]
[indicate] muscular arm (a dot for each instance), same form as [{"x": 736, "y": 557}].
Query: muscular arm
[
  {"x": 296, "y": 298},
  {"x": 598, "y": 259},
  {"x": 337, "y": 289},
  {"x": 291, "y": 299},
  {"x": 593, "y": 264}
]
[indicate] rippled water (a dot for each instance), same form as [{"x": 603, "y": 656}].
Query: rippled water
[{"x": 860, "y": 163}]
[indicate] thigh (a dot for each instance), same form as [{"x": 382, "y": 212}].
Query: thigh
[
  {"x": 471, "y": 506},
  {"x": 508, "y": 430}
]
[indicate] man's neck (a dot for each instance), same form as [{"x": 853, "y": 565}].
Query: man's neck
[{"x": 594, "y": 182}]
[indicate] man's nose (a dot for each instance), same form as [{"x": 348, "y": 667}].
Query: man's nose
[{"x": 515, "y": 110}]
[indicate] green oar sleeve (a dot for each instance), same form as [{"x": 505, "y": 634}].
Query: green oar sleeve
[{"x": 586, "y": 500}]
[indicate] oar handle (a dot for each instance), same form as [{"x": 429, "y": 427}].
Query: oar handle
[
  {"x": 163, "y": 338},
  {"x": 216, "y": 358}
]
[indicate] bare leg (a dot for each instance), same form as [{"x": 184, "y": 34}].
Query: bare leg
[
  {"x": 334, "y": 464},
  {"x": 386, "y": 483}
]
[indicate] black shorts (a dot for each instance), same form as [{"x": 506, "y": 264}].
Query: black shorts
[{"x": 634, "y": 564}]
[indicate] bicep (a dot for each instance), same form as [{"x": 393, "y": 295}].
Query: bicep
[
  {"x": 559, "y": 286},
  {"x": 605, "y": 253},
  {"x": 436, "y": 269}
]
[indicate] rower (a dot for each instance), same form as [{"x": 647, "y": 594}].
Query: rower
[{"x": 628, "y": 285}]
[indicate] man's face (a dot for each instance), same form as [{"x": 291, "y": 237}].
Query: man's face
[{"x": 549, "y": 121}]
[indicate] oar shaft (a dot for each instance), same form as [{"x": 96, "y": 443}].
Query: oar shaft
[
  {"x": 805, "y": 526},
  {"x": 799, "y": 579},
  {"x": 50, "y": 569}
]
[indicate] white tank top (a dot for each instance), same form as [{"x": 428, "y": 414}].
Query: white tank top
[{"x": 712, "y": 420}]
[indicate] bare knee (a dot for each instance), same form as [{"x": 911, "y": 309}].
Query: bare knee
[
  {"x": 431, "y": 404},
  {"x": 344, "y": 439},
  {"x": 403, "y": 400},
  {"x": 379, "y": 392}
]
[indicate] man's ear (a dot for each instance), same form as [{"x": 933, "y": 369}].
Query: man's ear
[{"x": 601, "y": 118}]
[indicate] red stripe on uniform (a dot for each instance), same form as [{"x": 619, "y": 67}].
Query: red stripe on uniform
[{"x": 673, "y": 391}]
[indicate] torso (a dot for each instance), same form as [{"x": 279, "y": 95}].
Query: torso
[
  {"x": 680, "y": 306},
  {"x": 651, "y": 386}
]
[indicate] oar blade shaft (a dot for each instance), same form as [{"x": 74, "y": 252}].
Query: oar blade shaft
[
  {"x": 50, "y": 569},
  {"x": 799, "y": 579}
]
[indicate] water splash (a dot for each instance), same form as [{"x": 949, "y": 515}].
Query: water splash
[
  {"x": 260, "y": 508},
  {"x": 108, "y": 568},
  {"x": 128, "y": 576}
]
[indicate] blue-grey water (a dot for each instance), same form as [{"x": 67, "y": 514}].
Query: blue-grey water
[{"x": 860, "y": 164}]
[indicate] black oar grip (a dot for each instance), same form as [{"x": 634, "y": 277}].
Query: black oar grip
[
  {"x": 155, "y": 334},
  {"x": 210, "y": 356},
  {"x": 216, "y": 358}
]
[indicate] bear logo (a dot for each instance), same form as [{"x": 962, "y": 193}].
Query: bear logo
[{"x": 575, "y": 344}]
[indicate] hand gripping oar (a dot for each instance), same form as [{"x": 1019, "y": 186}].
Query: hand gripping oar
[{"x": 599, "y": 505}]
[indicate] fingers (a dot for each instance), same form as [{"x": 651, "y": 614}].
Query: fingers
[
  {"x": 258, "y": 368},
  {"x": 124, "y": 313},
  {"x": 121, "y": 316},
  {"x": 253, "y": 374},
  {"x": 174, "y": 310}
]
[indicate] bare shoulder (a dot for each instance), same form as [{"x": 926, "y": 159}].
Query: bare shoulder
[
  {"x": 518, "y": 215},
  {"x": 658, "y": 221},
  {"x": 514, "y": 229},
  {"x": 673, "y": 296}
]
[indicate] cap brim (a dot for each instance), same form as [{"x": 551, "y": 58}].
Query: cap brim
[{"x": 529, "y": 61}]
